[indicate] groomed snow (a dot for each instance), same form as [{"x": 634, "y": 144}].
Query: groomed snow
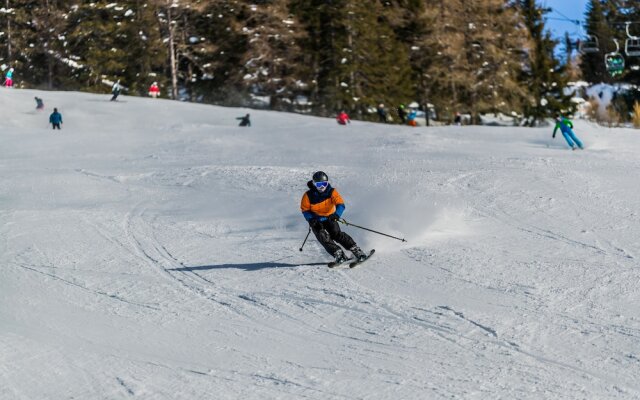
[{"x": 150, "y": 250}]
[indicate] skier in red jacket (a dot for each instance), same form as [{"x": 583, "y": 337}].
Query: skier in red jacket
[
  {"x": 154, "y": 90},
  {"x": 343, "y": 118}
]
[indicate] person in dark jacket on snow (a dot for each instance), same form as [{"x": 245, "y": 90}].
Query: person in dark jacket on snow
[
  {"x": 566, "y": 127},
  {"x": 322, "y": 206},
  {"x": 39, "y": 104},
  {"x": 55, "y": 119},
  {"x": 244, "y": 121},
  {"x": 382, "y": 113},
  {"x": 457, "y": 120},
  {"x": 115, "y": 90}
]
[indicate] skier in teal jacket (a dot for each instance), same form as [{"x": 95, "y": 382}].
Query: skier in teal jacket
[
  {"x": 55, "y": 119},
  {"x": 565, "y": 126}
]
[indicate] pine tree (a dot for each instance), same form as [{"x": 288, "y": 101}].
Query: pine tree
[
  {"x": 408, "y": 20},
  {"x": 273, "y": 64},
  {"x": 357, "y": 60},
  {"x": 31, "y": 39},
  {"x": 169, "y": 14},
  {"x": 45, "y": 28},
  {"x": 145, "y": 45},
  {"x": 571, "y": 63},
  {"x": 475, "y": 53},
  {"x": 598, "y": 24},
  {"x": 326, "y": 42},
  {"x": 543, "y": 76},
  {"x": 377, "y": 63},
  {"x": 462, "y": 55},
  {"x": 6, "y": 32},
  {"x": 108, "y": 42}
]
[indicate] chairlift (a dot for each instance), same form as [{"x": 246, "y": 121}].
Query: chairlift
[
  {"x": 614, "y": 62},
  {"x": 632, "y": 44},
  {"x": 589, "y": 45}
]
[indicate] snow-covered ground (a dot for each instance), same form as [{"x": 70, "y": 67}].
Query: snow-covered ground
[{"x": 150, "y": 250}]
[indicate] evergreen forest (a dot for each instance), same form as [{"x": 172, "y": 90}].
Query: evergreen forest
[{"x": 319, "y": 56}]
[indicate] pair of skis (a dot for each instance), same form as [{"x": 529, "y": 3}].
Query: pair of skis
[{"x": 352, "y": 263}]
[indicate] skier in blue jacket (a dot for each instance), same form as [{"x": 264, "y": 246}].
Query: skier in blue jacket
[
  {"x": 565, "y": 126},
  {"x": 55, "y": 119}
]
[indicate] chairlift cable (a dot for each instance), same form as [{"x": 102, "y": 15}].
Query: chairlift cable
[
  {"x": 576, "y": 22},
  {"x": 573, "y": 21}
]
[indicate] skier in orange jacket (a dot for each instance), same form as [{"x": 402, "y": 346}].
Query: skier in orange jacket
[{"x": 322, "y": 206}]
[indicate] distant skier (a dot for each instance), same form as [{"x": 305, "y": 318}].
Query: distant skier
[
  {"x": 39, "y": 104},
  {"x": 322, "y": 206},
  {"x": 458, "y": 119},
  {"x": 244, "y": 121},
  {"x": 566, "y": 127},
  {"x": 402, "y": 114},
  {"x": 8, "y": 78},
  {"x": 343, "y": 118},
  {"x": 382, "y": 113},
  {"x": 154, "y": 90},
  {"x": 411, "y": 118},
  {"x": 55, "y": 119},
  {"x": 115, "y": 90}
]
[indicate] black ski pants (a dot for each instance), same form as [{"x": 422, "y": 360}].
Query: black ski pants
[{"x": 328, "y": 232}]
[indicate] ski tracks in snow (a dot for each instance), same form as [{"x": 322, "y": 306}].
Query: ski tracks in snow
[
  {"x": 337, "y": 312},
  {"x": 534, "y": 220},
  {"x": 142, "y": 237}
]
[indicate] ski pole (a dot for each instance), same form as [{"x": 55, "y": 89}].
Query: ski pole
[
  {"x": 305, "y": 239},
  {"x": 344, "y": 221}
]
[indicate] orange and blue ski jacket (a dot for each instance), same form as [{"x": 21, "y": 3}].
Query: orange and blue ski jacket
[{"x": 316, "y": 205}]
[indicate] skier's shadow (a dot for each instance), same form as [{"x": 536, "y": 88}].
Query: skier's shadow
[{"x": 246, "y": 267}]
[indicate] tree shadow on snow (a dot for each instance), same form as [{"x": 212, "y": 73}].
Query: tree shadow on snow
[{"x": 246, "y": 267}]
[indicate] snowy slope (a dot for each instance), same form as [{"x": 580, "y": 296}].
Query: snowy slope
[{"x": 150, "y": 250}]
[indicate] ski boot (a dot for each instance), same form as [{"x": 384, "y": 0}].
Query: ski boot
[
  {"x": 358, "y": 253},
  {"x": 340, "y": 258}
]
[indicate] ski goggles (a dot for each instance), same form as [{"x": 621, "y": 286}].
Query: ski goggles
[{"x": 321, "y": 185}]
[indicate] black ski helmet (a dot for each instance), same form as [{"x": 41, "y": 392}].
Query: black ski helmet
[{"x": 320, "y": 177}]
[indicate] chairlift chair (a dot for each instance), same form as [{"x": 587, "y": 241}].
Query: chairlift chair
[
  {"x": 614, "y": 62},
  {"x": 632, "y": 44},
  {"x": 632, "y": 47},
  {"x": 589, "y": 45}
]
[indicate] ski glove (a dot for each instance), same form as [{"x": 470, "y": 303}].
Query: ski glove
[
  {"x": 315, "y": 224},
  {"x": 333, "y": 217}
]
